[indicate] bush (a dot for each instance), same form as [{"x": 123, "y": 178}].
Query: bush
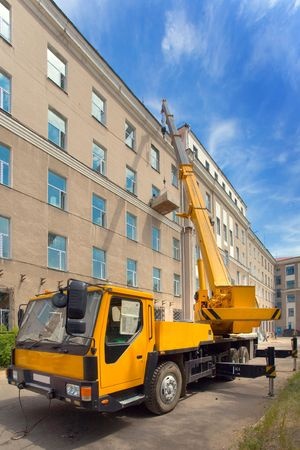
[{"x": 7, "y": 342}]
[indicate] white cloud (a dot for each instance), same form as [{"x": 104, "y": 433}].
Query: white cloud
[
  {"x": 281, "y": 158},
  {"x": 286, "y": 236},
  {"x": 221, "y": 133},
  {"x": 181, "y": 37}
]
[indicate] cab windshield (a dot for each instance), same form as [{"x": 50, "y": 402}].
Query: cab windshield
[{"x": 43, "y": 326}]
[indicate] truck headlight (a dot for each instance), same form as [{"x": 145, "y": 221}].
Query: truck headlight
[{"x": 73, "y": 390}]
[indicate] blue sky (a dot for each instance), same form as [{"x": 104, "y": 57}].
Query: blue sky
[{"x": 229, "y": 68}]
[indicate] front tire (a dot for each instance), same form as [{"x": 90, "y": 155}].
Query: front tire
[{"x": 165, "y": 387}]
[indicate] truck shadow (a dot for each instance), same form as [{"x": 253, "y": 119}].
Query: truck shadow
[{"x": 61, "y": 425}]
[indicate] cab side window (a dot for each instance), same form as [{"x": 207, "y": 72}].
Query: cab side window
[{"x": 123, "y": 325}]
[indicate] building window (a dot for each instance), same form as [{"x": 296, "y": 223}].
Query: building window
[
  {"x": 56, "y": 190},
  {"x": 226, "y": 257},
  {"x": 174, "y": 172},
  {"x": 5, "y": 21},
  {"x": 99, "y": 211},
  {"x": 56, "y": 69},
  {"x": 98, "y": 108},
  {"x": 243, "y": 237},
  {"x": 230, "y": 194},
  {"x": 230, "y": 237},
  {"x": 131, "y": 229},
  {"x": 238, "y": 277},
  {"x": 176, "y": 285},
  {"x": 175, "y": 218},
  {"x": 208, "y": 201},
  {"x": 176, "y": 249},
  {"x": 155, "y": 239},
  {"x": 291, "y": 312},
  {"x": 129, "y": 135},
  {"x": 4, "y": 237},
  {"x": 99, "y": 159},
  {"x": 56, "y": 129},
  {"x": 236, "y": 230},
  {"x": 290, "y": 270},
  {"x": 223, "y": 186},
  {"x": 177, "y": 315},
  {"x": 131, "y": 272},
  {"x": 159, "y": 313},
  {"x": 218, "y": 226},
  {"x": 278, "y": 293},
  {"x": 291, "y": 298},
  {"x": 225, "y": 232},
  {"x": 290, "y": 284},
  {"x": 4, "y": 165},
  {"x": 195, "y": 151},
  {"x": 130, "y": 180},
  {"x": 5, "y": 90},
  {"x": 56, "y": 252},
  {"x": 207, "y": 166},
  {"x": 237, "y": 253},
  {"x": 155, "y": 191},
  {"x": 156, "y": 277},
  {"x": 154, "y": 158},
  {"x": 99, "y": 263}
]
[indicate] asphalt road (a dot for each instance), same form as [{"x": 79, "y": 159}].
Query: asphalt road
[{"x": 211, "y": 417}]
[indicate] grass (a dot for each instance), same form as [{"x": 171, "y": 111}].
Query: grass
[{"x": 279, "y": 429}]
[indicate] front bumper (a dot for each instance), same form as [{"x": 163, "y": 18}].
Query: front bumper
[{"x": 52, "y": 386}]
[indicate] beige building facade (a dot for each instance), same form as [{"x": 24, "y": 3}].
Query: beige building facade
[
  {"x": 81, "y": 161},
  {"x": 287, "y": 285}
]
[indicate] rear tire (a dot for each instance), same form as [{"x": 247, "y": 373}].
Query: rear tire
[
  {"x": 243, "y": 355},
  {"x": 165, "y": 387}
]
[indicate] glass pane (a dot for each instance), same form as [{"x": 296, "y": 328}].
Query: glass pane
[
  {"x": 53, "y": 258},
  {"x": 57, "y": 181},
  {"x": 5, "y": 82},
  {"x": 56, "y": 121},
  {"x": 53, "y": 134},
  {"x": 54, "y": 196}
]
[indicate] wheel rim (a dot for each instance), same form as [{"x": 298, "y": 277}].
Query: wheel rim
[{"x": 168, "y": 388}]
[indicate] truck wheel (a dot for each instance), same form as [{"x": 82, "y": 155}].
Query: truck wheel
[
  {"x": 243, "y": 355},
  {"x": 234, "y": 355},
  {"x": 165, "y": 387}
]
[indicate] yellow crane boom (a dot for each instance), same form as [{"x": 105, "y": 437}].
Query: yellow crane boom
[{"x": 229, "y": 309}]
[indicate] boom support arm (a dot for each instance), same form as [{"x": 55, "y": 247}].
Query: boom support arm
[
  {"x": 230, "y": 309},
  {"x": 215, "y": 269}
]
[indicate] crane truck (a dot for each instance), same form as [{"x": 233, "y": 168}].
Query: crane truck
[{"x": 100, "y": 347}]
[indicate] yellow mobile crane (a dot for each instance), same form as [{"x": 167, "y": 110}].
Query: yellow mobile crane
[{"x": 99, "y": 346}]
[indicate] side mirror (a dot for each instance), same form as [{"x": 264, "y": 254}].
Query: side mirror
[
  {"x": 76, "y": 307},
  {"x": 59, "y": 300}
]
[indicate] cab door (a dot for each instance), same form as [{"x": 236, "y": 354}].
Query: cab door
[{"x": 125, "y": 343}]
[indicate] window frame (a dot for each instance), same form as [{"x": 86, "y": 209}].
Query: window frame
[
  {"x": 4, "y": 164},
  {"x": 103, "y": 212},
  {"x": 63, "y": 76},
  {"x": 132, "y": 227},
  {"x": 62, "y": 267},
  {"x": 7, "y": 6},
  {"x": 96, "y": 108},
  {"x": 62, "y": 193},
  {"x": 131, "y": 271},
  {"x": 134, "y": 180},
  {"x": 176, "y": 249},
  {"x": 102, "y": 264},
  {"x": 176, "y": 285},
  {"x": 8, "y": 237},
  {"x": 62, "y": 134},
  {"x": 155, "y": 239},
  {"x": 130, "y": 142},
  {"x": 156, "y": 288},
  {"x": 102, "y": 161},
  {"x": 174, "y": 175},
  {"x": 3, "y": 91},
  {"x": 155, "y": 158}
]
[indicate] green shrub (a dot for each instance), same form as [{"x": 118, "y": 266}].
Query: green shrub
[{"x": 7, "y": 342}]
